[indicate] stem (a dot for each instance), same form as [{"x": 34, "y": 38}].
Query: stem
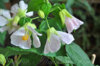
[
  {"x": 35, "y": 18},
  {"x": 52, "y": 59},
  {"x": 59, "y": 8},
  {"x": 53, "y": 9},
  {"x": 47, "y": 22}
]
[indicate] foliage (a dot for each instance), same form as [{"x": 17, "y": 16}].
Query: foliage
[{"x": 68, "y": 54}]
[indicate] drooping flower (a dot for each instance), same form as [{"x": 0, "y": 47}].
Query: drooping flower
[
  {"x": 21, "y": 9},
  {"x": 70, "y": 21},
  {"x": 22, "y": 37},
  {"x": 6, "y": 22},
  {"x": 55, "y": 38}
]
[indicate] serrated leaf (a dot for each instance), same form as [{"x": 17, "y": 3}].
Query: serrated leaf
[{"x": 78, "y": 56}]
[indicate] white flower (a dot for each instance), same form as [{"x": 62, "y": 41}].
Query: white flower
[
  {"x": 54, "y": 40},
  {"x": 21, "y": 9},
  {"x": 72, "y": 23},
  {"x": 5, "y": 21},
  {"x": 22, "y": 38}
]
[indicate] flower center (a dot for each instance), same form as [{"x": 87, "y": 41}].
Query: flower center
[{"x": 25, "y": 37}]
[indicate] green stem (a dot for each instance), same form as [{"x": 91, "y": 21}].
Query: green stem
[
  {"x": 52, "y": 59},
  {"x": 35, "y": 18},
  {"x": 59, "y": 8},
  {"x": 47, "y": 22}
]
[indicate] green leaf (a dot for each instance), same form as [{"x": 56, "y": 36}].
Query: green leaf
[
  {"x": 24, "y": 20},
  {"x": 78, "y": 56},
  {"x": 52, "y": 22},
  {"x": 2, "y": 59},
  {"x": 2, "y": 38},
  {"x": 35, "y": 5},
  {"x": 30, "y": 59},
  {"x": 45, "y": 7},
  {"x": 64, "y": 59}
]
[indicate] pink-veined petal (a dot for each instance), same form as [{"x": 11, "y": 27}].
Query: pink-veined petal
[
  {"x": 69, "y": 25},
  {"x": 66, "y": 37},
  {"x": 53, "y": 44}
]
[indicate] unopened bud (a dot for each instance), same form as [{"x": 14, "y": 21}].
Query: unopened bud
[{"x": 41, "y": 14}]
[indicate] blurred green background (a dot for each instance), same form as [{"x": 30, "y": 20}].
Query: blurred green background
[{"x": 88, "y": 36}]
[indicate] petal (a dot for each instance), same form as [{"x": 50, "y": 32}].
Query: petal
[
  {"x": 29, "y": 14},
  {"x": 53, "y": 44},
  {"x": 4, "y": 28},
  {"x": 22, "y": 5},
  {"x": 6, "y": 13},
  {"x": 17, "y": 41},
  {"x": 11, "y": 30},
  {"x": 36, "y": 41},
  {"x": 66, "y": 37},
  {"x": 69, "y": 25},
  {"x": 1, "y": 11},
  {"x": 25, "y": 44},
  {"x": 3, "y": 21},
  {"x": 77, "y": 21},
  {"x": 14, "y": 9},
  {"x": 47, "y": 48},
  {"x": 20, "y": 32},
  {"x": 34, "y": 31}
]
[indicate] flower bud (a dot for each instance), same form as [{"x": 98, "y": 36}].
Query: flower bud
[
  {"x": 41, "y": 14},
  {"x": 2, "y": 59}
]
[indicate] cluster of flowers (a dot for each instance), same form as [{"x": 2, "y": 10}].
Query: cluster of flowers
[{"x": 21, "y": 35}]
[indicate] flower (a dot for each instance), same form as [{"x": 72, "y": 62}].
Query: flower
[
  {"x": 54, "y": 40},
  {"x": 22, "y": 37},
  {"x": 70, "y": 21},
  {"x": 21, "y": 9},
  {"x": 6, "y": 21}
]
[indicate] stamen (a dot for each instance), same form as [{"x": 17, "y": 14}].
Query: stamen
[{"x": 25, "y": 37}]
